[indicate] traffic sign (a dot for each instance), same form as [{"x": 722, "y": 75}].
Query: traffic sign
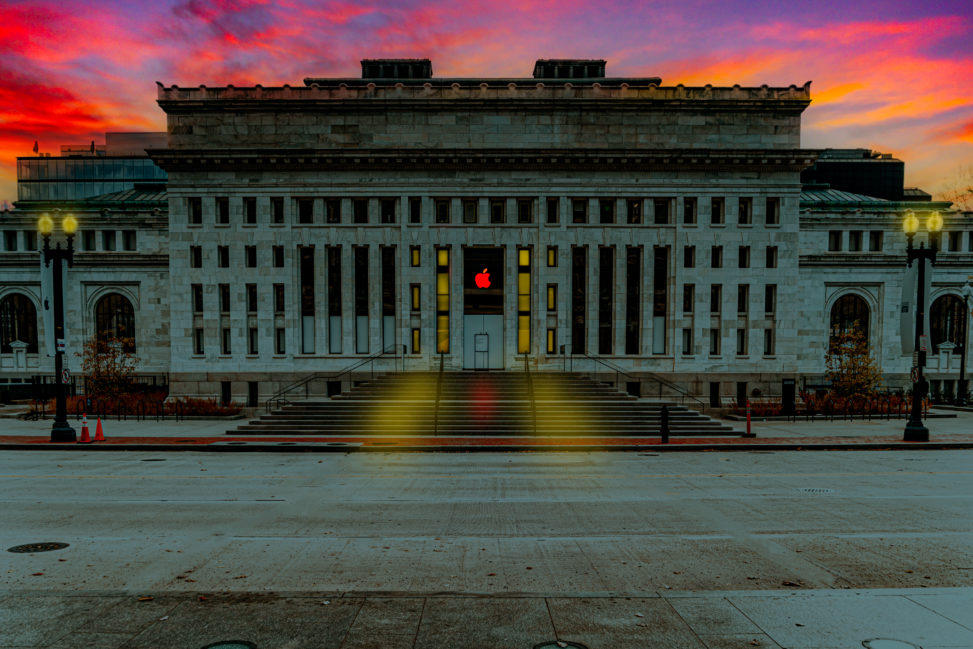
[{"x": 65, "y": 376}]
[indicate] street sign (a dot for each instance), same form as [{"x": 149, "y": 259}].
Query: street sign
[
  {"x": 924, "y": 343},
  {"x": 65, "y": 376},
  {"x": 915, "y": 375},
  {"x": 60, "y": 344}
]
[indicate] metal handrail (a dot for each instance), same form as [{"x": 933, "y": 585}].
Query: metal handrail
[
  {"x": 654, "y": 377},
  {"x": 530, "y": 394},
  {"x": 278, "y": 398}
]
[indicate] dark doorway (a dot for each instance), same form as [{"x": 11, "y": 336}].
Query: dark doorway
[
  {"x": 483, "y": 281},
  {"x": 714, "y": 394},
  {"x": 225, "y": 392}
]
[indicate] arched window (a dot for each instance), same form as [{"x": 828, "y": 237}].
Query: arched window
[
  {"x": 18, "y": 321},
  {"x": 947, "y": 321},
  {"x": 849, "y": 312},
  {"x": 115, "y": 317}
]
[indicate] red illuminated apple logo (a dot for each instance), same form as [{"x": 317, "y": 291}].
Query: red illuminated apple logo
[{"x": 482, "y": 279}]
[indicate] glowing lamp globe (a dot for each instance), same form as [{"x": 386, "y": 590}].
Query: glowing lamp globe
[
  {"x": 911, "y": 224},
  {"x": 45, "y": 225},
  {"x": 70, "y": 224},
  {"x": 935, "y": 222}
]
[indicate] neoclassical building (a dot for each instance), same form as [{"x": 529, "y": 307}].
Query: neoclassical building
[{"x": 571, "y": 219}]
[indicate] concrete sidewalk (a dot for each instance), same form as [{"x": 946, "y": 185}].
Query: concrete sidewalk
[{"x": 949, "y": 429}]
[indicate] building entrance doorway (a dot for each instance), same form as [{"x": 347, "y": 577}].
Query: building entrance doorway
[{"x": 483, "y": 308}]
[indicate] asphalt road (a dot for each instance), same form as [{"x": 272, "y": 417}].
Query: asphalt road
[{"x": 528, "y": 546}]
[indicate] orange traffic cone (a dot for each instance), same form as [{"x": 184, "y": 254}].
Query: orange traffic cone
[
  {"x": 85, "y": 437},
  {"x": 99, "y": 434}
]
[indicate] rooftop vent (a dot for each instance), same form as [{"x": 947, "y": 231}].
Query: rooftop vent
[
  {"x": 396, "y": 69},
  {"x": 569, "y": 69}
]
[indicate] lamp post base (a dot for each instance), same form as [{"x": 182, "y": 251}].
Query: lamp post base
[
  {"x": 916, "y": 432},
  {"x": 62, "y": 433}
]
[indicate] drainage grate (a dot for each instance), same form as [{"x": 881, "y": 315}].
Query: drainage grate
[
  {"x": 814, "y": 490},
  {"x": 37, "y": 547},
  {"x": 231, "y": 644},
  {"x": 560, "y": 644},
  {"x": 884, "y": 643}
]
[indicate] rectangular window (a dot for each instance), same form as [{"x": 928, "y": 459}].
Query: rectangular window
[
  {"x": 770, "y": 299},
  {"x": 195, "y": 256},
  {"x": 688, "y": 297},
  {"x": 250, "y": 210},
  {"x": 743, "y": 257},
  {"x": 633, "y": 299},
  {"x": 88, "y": 240},
  {"x": 280, "y": 340},
  {"x": 769, "y": 342},
  {"x": 387, "y": 210},
  {"x": 716, "y": 257},
  {"x": 442, "y": 300},
  {"x": 771, "y": 261},
  {"x": 855, "y": 241},
  {"x": 278, "y": 253},
  {"x": 222, "y": 210},
  {"x": 225, "y": 340},
  {"x": 662, "y": 207},
  {"x": 579, "y": 299},
  {"x": 741, "y": 342},
  {"x": 716, "y": 210},
  {"x": 634, "y": 211},
  {"x": 360, "y": 260},
  {"x": 687, "y": 341},
  {"x": 224, "y": 298},
  {"x": 498, "y": 211},
  {"x": 416, "y": 342},
  {"x": 30, "y": 240},
  {"x": 875, "y": 241},
  {"x": 551, "y": 340},
  {"x": 442, "y": 210},
  {"x": 552, "y": 297},
  {"x": 660, "y": 298},
  {"x": 359, "y": 208},
  {"x": 606, "y": 210},
  {"x": 523, "y": 300},
  {"x": 834, "y": 240},
  {"x": 250, "y": 253},
  {"x": 553, "y": 206},
  {"x": 415, "y": 292},
  {"x": 689, "y": 210},
  {"x": 579, "y": 210},
  {"x": 252, "y": 341},
  {"x": 332, "y": 210},
  {"x": 306, "y": 279},
  {"x": 194, "y": 206},
  {"x": 334, "y": 299},
  {"x": 744, "y": 211},
  {"x": 714, "y": 342},
  {"x": 107, "y": 241},
  {"x": 415, "y": 257},
  {"x": 469, "y": 211},
  {"x": 389, "y": 291},
  {"x": 223, "y": 256},
  {"x": 773, "y": 211},
  {"x": 198, "y": 341},
  {"x": 277, "y": 209},
  {"x": 251, "y": 298},
  {"x": 606, "y": 302},
  {"x": 552, "y": 256},
  {"x": 743, "y": 299},
  {"x": 953, "y": 241},
  {"x": 128, "y": 240},
  {"x": 305, "y": 210},
  {"x": 197, "y": 293},
  {"x": 415, "y": 210},
  {"x": 525, "y": 210},
  {"x": 715, "y": 299},
  {"x": 689, "y": 257},
  {"x": 278, "y": 299}
]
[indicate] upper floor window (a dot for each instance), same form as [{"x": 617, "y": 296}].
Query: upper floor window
[
  {"x": 415, "y": 210},
  {"x": 744, "y": 257},
  {"x": 194, "y": 205},
  {"x": 855, "y": 241},
  {"x": 223, "y": 256},
  {"x": 469, "y": 211},
  {"x": 715, "y": 298},
  {"x": 716, "y": 257},
  {"x": 108, "y": 240},
  {"x": 10, "y": 240},
  {"x": 661, "y": 210},
  {"x": 606, "y": 210},
  {"x": 834, "y": 241},
  {"x": 525, "y": 210},
  {"x": 359, "y": 208},
  {"x": 553, "y": 210},
  {"x": 442, "y": 210},
  {"x": 251, "y": 256},
  {"x": 277, "y": 209},
  {"x": 195, "y": 256},
  {"x": 773, "y": 211},
  {"x": 771, "y": 261},
  {"x": 387, "y": 210},
  {"x": 30, "y": 240},
  {"x": 634, "y": 209},
  {"x": 689, "y": 210},
  {"x": 128, "y": 240},
  {"x": 305, "y": 210},
  {"x": 332, "y": 210},
  {"x": 875, "y": 241},
  {"x": 498, "y": 210},
  {"x": 278, "y": 253},
  {"x": 222, "y": 210},
  {"x": 745, "y": 211},
  {"x": 250, "y": 210},
  {"x": 689, "y": 256},
  {"x": 717, "y": 209},
  {"x": 954, "y": 241},
  {"x": 579, "y": 210}
]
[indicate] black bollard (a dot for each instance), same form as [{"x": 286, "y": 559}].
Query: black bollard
[{"x": 664, "y": 424}]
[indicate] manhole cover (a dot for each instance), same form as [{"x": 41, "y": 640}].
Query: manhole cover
[
  {"x": 231, "y": 644},
  {"x": 883, "y": 643},
  {"x": 154, "y": 459},
  {"x": 37, "y": 547},
  {"x": 559, "y": 644},
  {"x": 815, "y": 490}
]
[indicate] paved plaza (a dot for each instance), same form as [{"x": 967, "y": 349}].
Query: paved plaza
[{"x": 609, "y": 550}]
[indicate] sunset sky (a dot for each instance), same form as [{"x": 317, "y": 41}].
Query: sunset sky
[{"x": 892, "y": 76}]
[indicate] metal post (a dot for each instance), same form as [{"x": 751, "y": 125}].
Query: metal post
[
  {"x": 61, "y": 431},
  {"x": 961, "y": 389},
  {"x": 914, "y": 430},
  {"x": 664, "y": 424}
]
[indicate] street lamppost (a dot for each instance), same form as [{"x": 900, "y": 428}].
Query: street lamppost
[
  {"x": 962, "y": 390},
  {"x": 914, "y": 430},
  {"x": 61, "y": 431}
]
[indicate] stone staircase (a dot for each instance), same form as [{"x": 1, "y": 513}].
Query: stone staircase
[{"x": 481, "y": 403}]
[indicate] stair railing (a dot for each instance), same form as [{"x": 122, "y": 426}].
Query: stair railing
[
  {"x": 439, "y": 389},
  {"x": 392, "y": 351},
  {"x": 530, "y": 394},
  {"x": 619, "y": 372}
]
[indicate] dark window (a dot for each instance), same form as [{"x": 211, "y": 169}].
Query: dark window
[
  {"x": 277, "y": 209},
  {"x": 442, "y": 210},
  {"x": 18, "y": 321},
  {"x": 387, "y": 210},
  {"x": 743, "y": 256},
  {"x": 250, "y": 210},
  {"x": 525, "y": 211},
  {"x": 306, "y": 278},
  {"x": 689, "y": 257},
  {"x": 223, "y": 256},
  {"x": 717, "y": 206},
  {"x": 360, "y": 210},
  {"x": 661, "y": 208},
  {"x": 278, "y": 253},
  {"x": 634, "y": 210},
  {"x": 88, "y": 240},
  {"x": 606, "y": 210},
  {"x": 716, "y": 257},
  {"x": 225, "y": 344},
  {"x": 10, "y": 240},
  {"x": 415, "y": 210},
  {"x": 195, "y": 208},
  {"x": 222, "y": 210},
  {"x": 773, "y": 211},
  {"x": 197, "y": 293},
  {"x": 687, "y": 342},
  {"x": 769, "y": 342},
  {"x": 689, "y": 210},
  {"x": 498, "y": 211},
  {"x": 128, "y": 240},
  {"x": 107, "y": 240},
  {"x": 770, "y": 299},
  {"x": 660, "y": 298},
  {"x": 714, "y": 342},
  {"x": 252, "y": 340},
  {"x": 834, "y": 240},
  {"x": 553, "y": 207},
  {"x": 633, "y": 299},
  {"x": 745, "y": 211},
  {"x": 715, "y": 298},
  {"x": 606, "y": 302},
  {"x": 305, "y": 210},
  {"x": 743, "y": 299},
  {"x": 334, "y": 281},
  {"x": 953, "y": 241},
  {"x": 688, "y": 297},
  {"x": 332, "y": 210},
  {"x": 280, "y": 340},
  {"x": 278, "y": 298},
  {"x": 251, "y": 256},
  {"x": 947, "y": 322},
  {"x": 579, "y": 298},
  {"x": 855, "y": 241},
  {"x": 224, "y": 298},
  {"x": 875, "y": 241},
  {"x": 579, "y": 210},
  {"x": 387, "y": 258},
  {"x": 195, "y": 256},
  {"x": 469, "y": 211},
  {"x": 251, "y": 298},
  {"x": 115, "y": 318},
  {"x": 360, "y": 304},
  {"x": 198, "y": 337},
  {"x": 771, "y": 261},
  {"x": 741, "y": 342},
  {"x": 849, "y": 312}
]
